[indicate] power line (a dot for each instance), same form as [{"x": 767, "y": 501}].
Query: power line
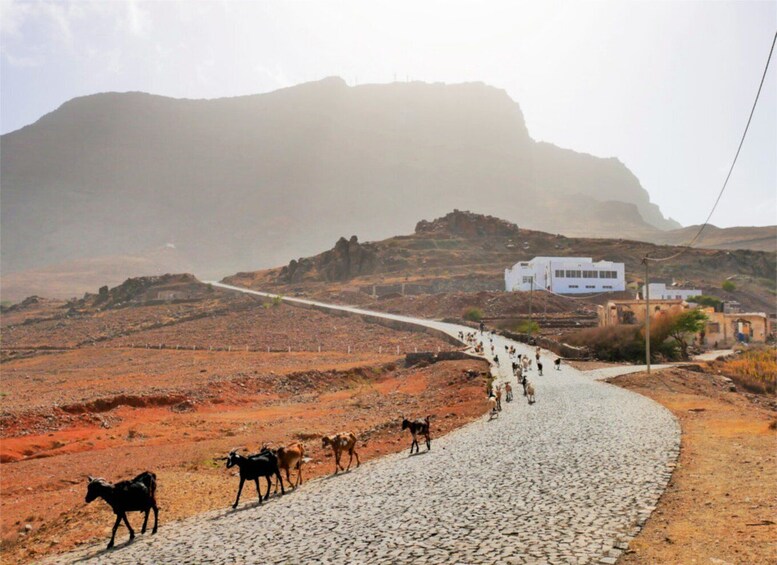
[{"x": 731, "y": 169}]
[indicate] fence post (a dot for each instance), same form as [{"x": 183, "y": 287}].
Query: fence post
[
  {"x": 349, "y": 349},
  {"x": 397, "y": 350}
]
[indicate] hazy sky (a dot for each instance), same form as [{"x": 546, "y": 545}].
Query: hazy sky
[{"x": 664, "y": 86}]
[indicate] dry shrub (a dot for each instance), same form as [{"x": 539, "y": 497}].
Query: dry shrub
[
  {"x": 755, "y": 370},
  {"x": 627, "y": 342}
]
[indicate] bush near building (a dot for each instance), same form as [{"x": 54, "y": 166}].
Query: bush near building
[
  {"x": 728, "y": 286},
  {"x": 473, "y": 314}
]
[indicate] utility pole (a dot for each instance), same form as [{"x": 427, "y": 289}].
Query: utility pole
[
  {"x": 531, "y": 294},
  {"x": 647, "y": 314}
]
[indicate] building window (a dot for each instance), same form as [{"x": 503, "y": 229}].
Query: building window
[
  {"x": 713, "y": 328},
  {"x": 607, "y": 286},
  {"x": 590, "y": 274},
  {"x": 527, "y": 280},
  {"x": 559, "y": 273},
  {"x": 573, "y": 286},
  {"x": 590, "y": 286},
  {"x": 574, "y": 274}
]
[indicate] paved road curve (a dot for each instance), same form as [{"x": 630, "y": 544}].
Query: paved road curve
[{"x": 567, "y": 480}]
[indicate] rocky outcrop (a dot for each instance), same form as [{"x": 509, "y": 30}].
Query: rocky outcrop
[
  {"x": 346, "y": 260},
  {"x": 467, "y": 224}
]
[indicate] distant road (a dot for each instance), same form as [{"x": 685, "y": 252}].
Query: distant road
[{"x": 567, "y": 480}]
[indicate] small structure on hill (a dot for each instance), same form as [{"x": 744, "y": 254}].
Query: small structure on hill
[
  {"x": 566, "y": 275},
  {"x": 659, "y": 291}
]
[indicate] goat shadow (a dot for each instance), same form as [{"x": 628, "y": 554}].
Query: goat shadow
[
  {"x": 419, "y": 453},
  {"x": 243, "y": 507},
  {"x": 105, "y": 551}
]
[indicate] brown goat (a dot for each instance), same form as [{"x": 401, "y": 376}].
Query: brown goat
[
  {"x": 344, "y": 441},
  {"x": 290, "y": 457}
]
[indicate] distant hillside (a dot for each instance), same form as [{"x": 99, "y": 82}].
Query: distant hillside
[
  {"x": 756, "y": 238},
  {"x": 246, "y": 182},
  {"x": 463, "y": 251},
  {"x": 73, "y": 278}
]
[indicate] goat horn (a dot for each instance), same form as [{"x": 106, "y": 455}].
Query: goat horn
[{"x": 89, "y": 478}]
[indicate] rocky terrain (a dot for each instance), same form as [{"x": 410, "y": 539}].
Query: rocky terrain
[
  {"x": 167, "y": 373},
  {"x": 463, "y": 251}
]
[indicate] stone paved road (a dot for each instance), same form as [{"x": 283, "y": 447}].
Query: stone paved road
[{"x": 567, "y": 480}]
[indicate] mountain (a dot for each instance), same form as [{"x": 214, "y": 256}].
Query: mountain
[
  {"x": 246, "y": 182},
  {"x": 467, "y": 252}
]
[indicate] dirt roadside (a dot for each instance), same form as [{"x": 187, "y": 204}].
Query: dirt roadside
[{"x": 720, "y": 506}]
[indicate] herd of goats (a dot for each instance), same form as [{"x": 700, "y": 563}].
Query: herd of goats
[{"x": 139, "y": 494}]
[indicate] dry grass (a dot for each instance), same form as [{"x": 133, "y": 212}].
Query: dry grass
[{"x": 755, "y": 369}]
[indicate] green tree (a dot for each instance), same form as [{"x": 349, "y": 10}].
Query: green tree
[
  {"x": 704, "y": 300},
  {"x": 473, "y": 314},
  {"x": 728, "y": 286},
  {"x": 684, "y": 324}
]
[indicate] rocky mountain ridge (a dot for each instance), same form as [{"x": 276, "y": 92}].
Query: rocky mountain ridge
[{"x": 247, "y": 182}]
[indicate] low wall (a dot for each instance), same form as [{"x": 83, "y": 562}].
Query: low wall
[
  {"x": 561, "y": 349},
  {"x": 431, "y": 358}
]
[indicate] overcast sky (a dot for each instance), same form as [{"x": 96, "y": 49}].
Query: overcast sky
[{"x": 664, "y": 86}]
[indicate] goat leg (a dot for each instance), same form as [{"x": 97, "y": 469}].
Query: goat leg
[
  {"x": 269, "y": 484},
  {"x": 258, "y": 490},
  {"x": 278, "y": 474},
  {"x": 115, "y": 527},
  {"x": 156, "y": 517},
  {"x": 239, "y": 490},
  {"x": 428, "y": 443},
  {"x": 358, "y": 463},
  {"x": 145, "y": 521},
  {"x": 131, "y": 531}
]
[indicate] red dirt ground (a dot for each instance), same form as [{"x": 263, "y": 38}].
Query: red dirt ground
[
  {"x": 720, "y": 506},
  {"x": 47, "y": 491}
]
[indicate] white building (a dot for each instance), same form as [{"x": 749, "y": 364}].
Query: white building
[
  {"x": 566, "y": 275},
  {"x": 659, "y": 291}
]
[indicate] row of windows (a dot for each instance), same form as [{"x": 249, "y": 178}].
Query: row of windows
[
  {"x": 589, "y": 286},
  {"x": 574, "y": 274}
]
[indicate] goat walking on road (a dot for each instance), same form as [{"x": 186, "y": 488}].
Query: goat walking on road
[
  {"x": 530, "y": 392},
  {"x": 290, "y": 457},
  {"x": 263, "y": 464},
  {"x": 344, "y": 441},
  {"x": 138, "y": 494},
  {"x": 418, "y": 427}
]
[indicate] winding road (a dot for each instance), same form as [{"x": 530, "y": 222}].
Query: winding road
[{"x": 570, "y": 479}]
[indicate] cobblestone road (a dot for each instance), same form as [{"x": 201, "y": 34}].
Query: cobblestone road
[{"x": 569, "y": 479}]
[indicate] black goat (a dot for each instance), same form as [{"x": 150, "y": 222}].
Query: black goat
[
  {"x": 263, "y": 464},
  {"x": 139, "y": 495},
  {"x": 417, "y": 427}
]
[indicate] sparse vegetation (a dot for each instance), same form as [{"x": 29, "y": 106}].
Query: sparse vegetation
[
  {"x": 709, "y": 301},
  {"x": 627, "y": 342},
  {"x": 473, "y": 314},
  {"x": 519, "y": 326},
  {"x": 686, "y": 323},
  {"x": 728, "y": 286},
  {"x": 754, "y": 369}
]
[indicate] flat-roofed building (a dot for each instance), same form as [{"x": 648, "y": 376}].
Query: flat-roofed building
[
  {"x": 660, "y": 291},
  {"x": 566, "y": 275}
]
